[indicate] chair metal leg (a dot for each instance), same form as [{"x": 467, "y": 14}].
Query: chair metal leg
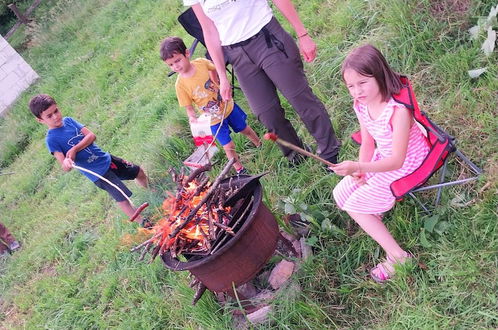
[
  {"x": 467, "y": 161},
  {"x": 426, "y": 210},
  {"x": 441, "y": 181}
]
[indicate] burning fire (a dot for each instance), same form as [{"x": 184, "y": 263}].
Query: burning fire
[{"x": 196, "y": 234}]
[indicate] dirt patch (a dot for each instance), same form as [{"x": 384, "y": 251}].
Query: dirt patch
[
  {"x": 450, "y": 10},
  {"x": 11, "y": 317}
]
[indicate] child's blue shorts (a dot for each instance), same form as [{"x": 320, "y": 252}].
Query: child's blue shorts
[{"x": 236, "y": 120}]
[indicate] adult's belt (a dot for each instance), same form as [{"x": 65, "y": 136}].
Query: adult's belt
[{"x": 247, "y": 41}]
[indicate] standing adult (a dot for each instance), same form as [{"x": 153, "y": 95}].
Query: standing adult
[{"x": 266, "y": 58}]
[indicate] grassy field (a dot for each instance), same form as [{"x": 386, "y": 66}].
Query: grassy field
[{"x": 100, "y": 60}]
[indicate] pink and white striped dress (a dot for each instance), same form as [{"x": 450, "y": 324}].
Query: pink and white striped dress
[{"x": 375, "y": 196}]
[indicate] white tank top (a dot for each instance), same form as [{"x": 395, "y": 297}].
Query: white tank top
[{"x": 236, "y": 20}]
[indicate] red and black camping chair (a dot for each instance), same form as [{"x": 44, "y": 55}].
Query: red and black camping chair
[{"x": 441, "y": 144}]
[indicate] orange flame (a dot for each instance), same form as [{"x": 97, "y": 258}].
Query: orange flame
[{"x": 196, "y": 233}]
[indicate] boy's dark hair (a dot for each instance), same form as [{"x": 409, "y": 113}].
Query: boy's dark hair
[
  {"x": 369, "y": 61},
  {"x": 171, "y": 46},
  {"x": 40, "y": 103}
]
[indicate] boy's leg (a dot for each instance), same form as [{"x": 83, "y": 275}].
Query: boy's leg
[
  {"x": 4, "y": 249},
  {"x": 129, "y": 210},
  {"x": 126, "y": 170},
  {"x": 142, "y": 179},
  {"x": 121, "y": 200},
  {"x": 230, "y": 152},
  {"x": 222, "y": 134},
  {"x": 251, "y": 135},
  {"x": 237, "y": 120}
]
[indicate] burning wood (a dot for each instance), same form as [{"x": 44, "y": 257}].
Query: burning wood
[{"x": 195, "y": 219}]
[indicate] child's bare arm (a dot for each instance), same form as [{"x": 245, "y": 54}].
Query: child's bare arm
[
  {"x": 85, "y": 142},
  {"x": 367, "y": 146},
  {"x": 401, "y": 122},
  {"x": 66, "y": 166},
  {"x": 191, "y": 113}
]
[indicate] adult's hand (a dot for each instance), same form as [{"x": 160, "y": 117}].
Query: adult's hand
[
  {"x": 308, "y": 48},
  {"x": 225, "y": 90}
]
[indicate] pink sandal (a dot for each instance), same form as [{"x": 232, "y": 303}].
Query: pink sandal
[{"x": 384, "y": 271}]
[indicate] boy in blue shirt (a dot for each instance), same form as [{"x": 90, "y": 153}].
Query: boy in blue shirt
[{"x": 72, "y": 143}]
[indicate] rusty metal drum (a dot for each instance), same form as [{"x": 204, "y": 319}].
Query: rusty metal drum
[{"x": 243, "y": 256}]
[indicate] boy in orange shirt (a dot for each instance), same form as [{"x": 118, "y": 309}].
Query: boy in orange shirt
[{"x": 197, "y": 85}]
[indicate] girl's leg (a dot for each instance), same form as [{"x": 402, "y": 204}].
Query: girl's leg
[
  {"x": 230, "y": 152},
  {"x": 374, "y": 227},
  {"x": 251, "y": 135}
]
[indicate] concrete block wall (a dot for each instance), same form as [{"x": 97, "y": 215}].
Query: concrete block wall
[{"x": 15, "y": 75}]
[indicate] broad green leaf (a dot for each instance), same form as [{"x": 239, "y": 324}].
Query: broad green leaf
[
  {"x": 311, "y": 241},
  {"x": 474, "y": 32},
  {"x": 458, "y": 201},
  {"x": 442, "y": 227},
  {"x": 423, "y": 239},
  {"x": 431, "y": 222},
  {"x": 338, "y": 231}
]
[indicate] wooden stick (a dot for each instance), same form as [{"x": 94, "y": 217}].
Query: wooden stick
[
  {"x": 225, "y": 228},
  {"x": 204, "y": 200},
  {"x": 275, "y": 138},
  {"x": 101, "y": 177},
  {"x": 144, "y": 251},
  {"x": 196, "y": 172},
  {"x": 146, "y": 242}
]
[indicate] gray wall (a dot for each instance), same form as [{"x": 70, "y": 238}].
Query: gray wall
[{"x": 15, "y": 75}]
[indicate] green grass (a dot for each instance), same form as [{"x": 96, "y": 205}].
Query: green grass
[{"x": 99, "y": 59}]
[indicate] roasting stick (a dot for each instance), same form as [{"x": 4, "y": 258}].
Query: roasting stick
[
  {"x": 275, "y": 138},
  {"x": 137, "y": 211}
]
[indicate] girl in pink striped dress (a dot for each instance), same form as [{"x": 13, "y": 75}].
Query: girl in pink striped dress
[{"x": 392, "y": 147}]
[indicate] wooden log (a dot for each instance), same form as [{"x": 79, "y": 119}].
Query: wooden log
[
  {"x": 197, "y": 172},
  {"x": 23, "y": 19},
  {"x": 28, "y": 12}
]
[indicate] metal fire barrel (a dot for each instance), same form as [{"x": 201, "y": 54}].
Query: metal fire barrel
[{"x": 242, "y": 257}]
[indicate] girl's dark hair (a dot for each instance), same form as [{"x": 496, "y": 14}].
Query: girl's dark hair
[
  {"x": 171, "y": 46},
  {"x": 369, "y": 61},
  {"x": 40, "y": 103}
]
